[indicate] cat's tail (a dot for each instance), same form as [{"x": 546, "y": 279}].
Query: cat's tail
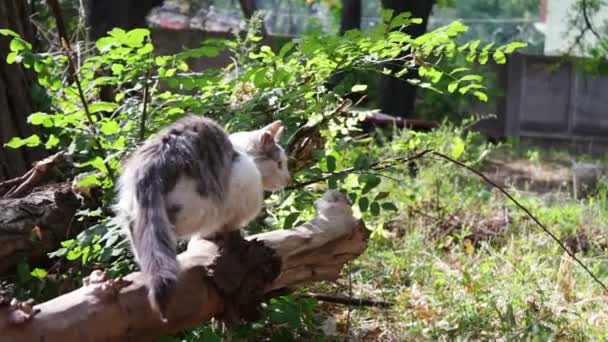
[{"x": 154, "y": 244}]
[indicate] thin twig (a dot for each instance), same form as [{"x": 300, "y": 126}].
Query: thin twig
[
  {"x": 530, "y": 215},
  {"x": 587, "y": 21},
  {"x": 348, "y": 300},
  {"x": 142, "y": 122},
  {"x": 65, "y": 43},
  {"x": 377, "y": 166},
  {"x": 350, "y": 297},
  {"x": 22, "y": 185}
]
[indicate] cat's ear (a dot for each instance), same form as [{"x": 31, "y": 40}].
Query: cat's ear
[
  {"x": 266, "y": 139},
  {"x": 275, "y": 130}
]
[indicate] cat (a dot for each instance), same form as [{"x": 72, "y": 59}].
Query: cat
[{"x": 193, "y": 180}]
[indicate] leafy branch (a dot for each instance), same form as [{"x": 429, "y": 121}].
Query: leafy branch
[{"x": 73, "y": 74}]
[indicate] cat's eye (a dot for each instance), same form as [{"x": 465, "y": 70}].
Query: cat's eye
[{"x": 280, "y": 164}]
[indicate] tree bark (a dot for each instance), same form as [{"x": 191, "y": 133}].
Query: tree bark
[
  {"x": 34, "y": 225},
  {"x": 350, "y": 18},
  {"x": 398, "y": 97},
  {"x": 15, "y": 93},
  {"x": 118, "y": 309}
]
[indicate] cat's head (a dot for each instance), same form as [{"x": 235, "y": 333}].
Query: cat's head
[{"x": 270, "y": 158}]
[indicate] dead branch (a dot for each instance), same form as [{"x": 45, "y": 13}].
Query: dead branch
[
  {"x": 21, "y": 186},
  {"x": 35, "y": 225},
  {"x": 118, "y": 309}
]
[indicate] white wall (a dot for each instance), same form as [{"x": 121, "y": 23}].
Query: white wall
[{"x": 560, "y": 35}]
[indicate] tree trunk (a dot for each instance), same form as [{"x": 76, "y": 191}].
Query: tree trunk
[
  {"x": 15, "y": 93},
  {"x": 104, "y": 15},
  {"x": 249, "y": 7},
  {"x": 351, "y": 15},
  {"x": 398, "y": 97},
  {"x": 118, "y": 309}
]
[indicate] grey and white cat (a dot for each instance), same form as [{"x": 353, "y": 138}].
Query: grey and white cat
[{"x": 193, "y": 180}]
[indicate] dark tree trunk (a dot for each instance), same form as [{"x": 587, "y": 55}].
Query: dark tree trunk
[
  {"x": 249, "y": 7},
  {"x": 351, "y": 15},
  {"x": 15, "y": 93},
  {"x": 350, "y": 20},
  {"x": 398, "y": 96},
  {"x": 104, "y": 15}
]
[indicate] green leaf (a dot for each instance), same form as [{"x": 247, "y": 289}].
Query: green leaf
[
  {"x": 18, "y": 44},
  {"x": 290, "y": 220},
  {"x": 477, "y": 78},
  {"x": 203, "y": 51},
  {"x": 40, "y": 118},
  {"x": 499, "y": 57},
  {"x": 105, "y": 43},
  {"x": 86, "y": 253},
  {"x": 481, "y": 96},
  {"x": 117, "y": 68},
  {"x": 68, "y": 243},
  {"x": 452, "y": 86},
  {"x": 331, "y": 163},
  {"x": 363, "y": 204},
  {"x": 73, "y": 254},
  {"x": 145, "y": 49},
  {"x": 457, "y": 148},
  {"x": 97, "y": 163},
  {"x": 381, "y": 195},
  {"x": 109, "y": 127},
  {"x": 285, "y": 49},
  {"x": 135, "y": 37},
  {"x": 463, "y": 47},
  {"x": 389, "y": 206},
  {"x": 102, "y": 107},
  {"x": 119, "y": 143},
  {"x": 457, "y": 70},
  {"x": 509, "y": 48},
  {"x": 374, "y": 208},
  {"x": 474, "y": 44},
  {"x": 51, "y": 142},
  {"x": 357, "y": 88},
  {"x": 39, "y": 273},
  {"x": 361, "y": 162},
  {"x": 468, "y": 87},
  {"x": 161, "y": 60},
  {"x": 370, "y": 181},
  {"x": 483, "y": 57},
  {"x": 117, "y": 33},
  {"x": 7, "y": 32},
  {"x": 12, "y": 58},
  {"x": 471, "y": 56},
  {"x": 89, "y": 180},
  {"x": 402, "y": 19},
  {"x": 31, "y": 141}
]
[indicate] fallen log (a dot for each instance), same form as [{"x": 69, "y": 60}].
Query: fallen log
[
  {"x": 34, "y": 225},
  {"x": 118, "y": 309}
]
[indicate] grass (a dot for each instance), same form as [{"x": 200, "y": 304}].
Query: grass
[{"x": 460, "y": 262}]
